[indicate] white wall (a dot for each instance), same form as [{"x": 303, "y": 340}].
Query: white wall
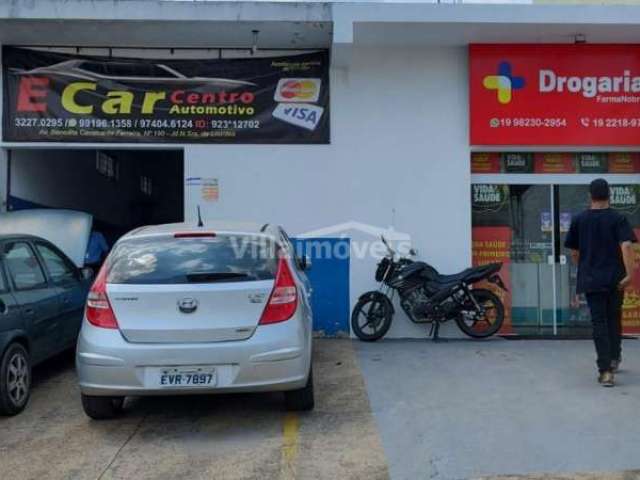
[{"x": 399, "y": 156}]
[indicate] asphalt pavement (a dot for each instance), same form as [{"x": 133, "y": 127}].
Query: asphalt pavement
[
  {"x": 238, "y": 437},
  {"x": 399, "y": 409}
]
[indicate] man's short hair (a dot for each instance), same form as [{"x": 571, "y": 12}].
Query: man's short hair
[{"x": 599, "y": 189}]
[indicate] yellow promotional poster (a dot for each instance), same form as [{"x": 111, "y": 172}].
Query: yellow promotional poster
[
  {"x": 493, "y": 244},
  {"x": 631, "y": 305}
]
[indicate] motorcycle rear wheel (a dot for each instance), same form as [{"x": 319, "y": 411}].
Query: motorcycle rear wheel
[
  {"x": 485, "y": 325},
  {"x": 371, "y": 319}
]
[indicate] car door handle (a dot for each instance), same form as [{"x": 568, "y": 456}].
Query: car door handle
[
  {"x": 4, "y": 309},
  {"x": 29, "y": 311},
  {"x": 66, "y": 299}
]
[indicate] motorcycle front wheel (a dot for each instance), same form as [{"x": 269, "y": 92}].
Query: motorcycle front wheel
[
  {"x": 485, "y": 323},
  {"x": 371, "y": 318}
]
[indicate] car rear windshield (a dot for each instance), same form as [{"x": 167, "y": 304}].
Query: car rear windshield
[{"x": 169, "y": 260}]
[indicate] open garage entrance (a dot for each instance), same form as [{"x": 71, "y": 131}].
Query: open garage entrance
[{"x": 122, "y": 189}]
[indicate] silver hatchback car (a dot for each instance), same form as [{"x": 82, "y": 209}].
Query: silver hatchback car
[{"x": 182, "y": 309}]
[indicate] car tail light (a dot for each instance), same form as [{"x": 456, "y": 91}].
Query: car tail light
[
  {"x": 284, "y": 297},
  {"x": 99, "y": 312}
]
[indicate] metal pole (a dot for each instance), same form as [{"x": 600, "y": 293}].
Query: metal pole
[{"x": 553, "y": 265}]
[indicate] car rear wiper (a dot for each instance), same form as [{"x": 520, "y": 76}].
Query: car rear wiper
[{"x": 214, "y": 276}]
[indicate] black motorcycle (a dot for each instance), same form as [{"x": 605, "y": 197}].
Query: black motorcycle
[{"x": 428, "y": 297}]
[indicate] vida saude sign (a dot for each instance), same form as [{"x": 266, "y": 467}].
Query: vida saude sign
[
  {"x": 51, "y": 97},
  {"x": 554, "y": 94}
]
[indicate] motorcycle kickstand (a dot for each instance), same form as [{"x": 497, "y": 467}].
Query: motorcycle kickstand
[
  {"x": 435, "y": 329},
  {"x": 433, "y": 325}
]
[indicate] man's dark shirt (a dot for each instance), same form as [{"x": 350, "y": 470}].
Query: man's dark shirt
[{"x": 597, "y": 235}]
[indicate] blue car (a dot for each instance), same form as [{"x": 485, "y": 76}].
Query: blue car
[{"x": 42, "y": 296}]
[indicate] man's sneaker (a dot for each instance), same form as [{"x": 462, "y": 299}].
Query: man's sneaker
[
  {"x": 615, "y": 365},
  {"x": 606, "y": 379}
]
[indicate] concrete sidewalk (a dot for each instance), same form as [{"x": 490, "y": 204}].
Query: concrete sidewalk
[
  {"x": 628, "y": 475},
  {"x": 467, "y": 409}
]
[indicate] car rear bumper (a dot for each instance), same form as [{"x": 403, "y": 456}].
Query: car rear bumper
[{"x": 277, "y": 357}]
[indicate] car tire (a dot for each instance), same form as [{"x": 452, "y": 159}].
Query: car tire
[
  {"x": 301, "y": 400},
  {"x": 15, "y": 379},
  {"x": 102, "y": 408}
]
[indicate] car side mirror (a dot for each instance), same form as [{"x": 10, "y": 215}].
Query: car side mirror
[
  {"x": 305, "y": 263},
  {"x": 87, "y": 273}
]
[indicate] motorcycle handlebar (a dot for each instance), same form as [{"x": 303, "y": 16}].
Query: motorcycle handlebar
[{"x": 384, "y": 240}]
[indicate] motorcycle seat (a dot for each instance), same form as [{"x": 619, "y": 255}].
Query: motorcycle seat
[
  {"x": 469, "y": 275},
  {"x": 455, "y": 278}
]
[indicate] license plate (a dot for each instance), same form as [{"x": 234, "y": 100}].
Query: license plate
[{"x": 186, "y": 377}]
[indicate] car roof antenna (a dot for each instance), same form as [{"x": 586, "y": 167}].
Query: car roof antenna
[{"x": 200, "y": 224}]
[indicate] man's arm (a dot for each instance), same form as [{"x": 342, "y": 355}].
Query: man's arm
[
  {"x": 575, "y": 256},
  {"x": 626, "y": 237},
  {"x": 571, "y": 241},
  {"x": 628, "y": 257}
]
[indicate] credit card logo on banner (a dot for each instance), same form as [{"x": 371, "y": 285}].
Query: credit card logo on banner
[
  {"x": 299, "y": 114},
  {"x": 504, "y": 83},
  {"x": 298, "y": 90}
]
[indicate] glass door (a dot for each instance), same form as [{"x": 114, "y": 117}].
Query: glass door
[
  {"x": 572, "y": 317},
  {"x": 572, "y": 312},
  {"x": 513, "y": 224},
  {"x": 522, "y": 207},
  {"x": 524, "y": 226}
]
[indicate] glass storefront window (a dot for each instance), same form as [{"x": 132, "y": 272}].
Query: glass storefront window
[{"x": 524, "y": 227}]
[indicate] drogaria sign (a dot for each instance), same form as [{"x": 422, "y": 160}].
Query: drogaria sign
[
  {"x": 554, "y": 94},
  {"x": 590, "y": 87}
]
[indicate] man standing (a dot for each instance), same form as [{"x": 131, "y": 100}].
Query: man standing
[{"x": 600, "y": 241}]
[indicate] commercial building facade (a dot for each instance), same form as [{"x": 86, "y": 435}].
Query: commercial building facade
[{"x": 409, "y": 139}]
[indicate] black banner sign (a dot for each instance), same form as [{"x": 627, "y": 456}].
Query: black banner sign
[{"x": 53, "y": 97}]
